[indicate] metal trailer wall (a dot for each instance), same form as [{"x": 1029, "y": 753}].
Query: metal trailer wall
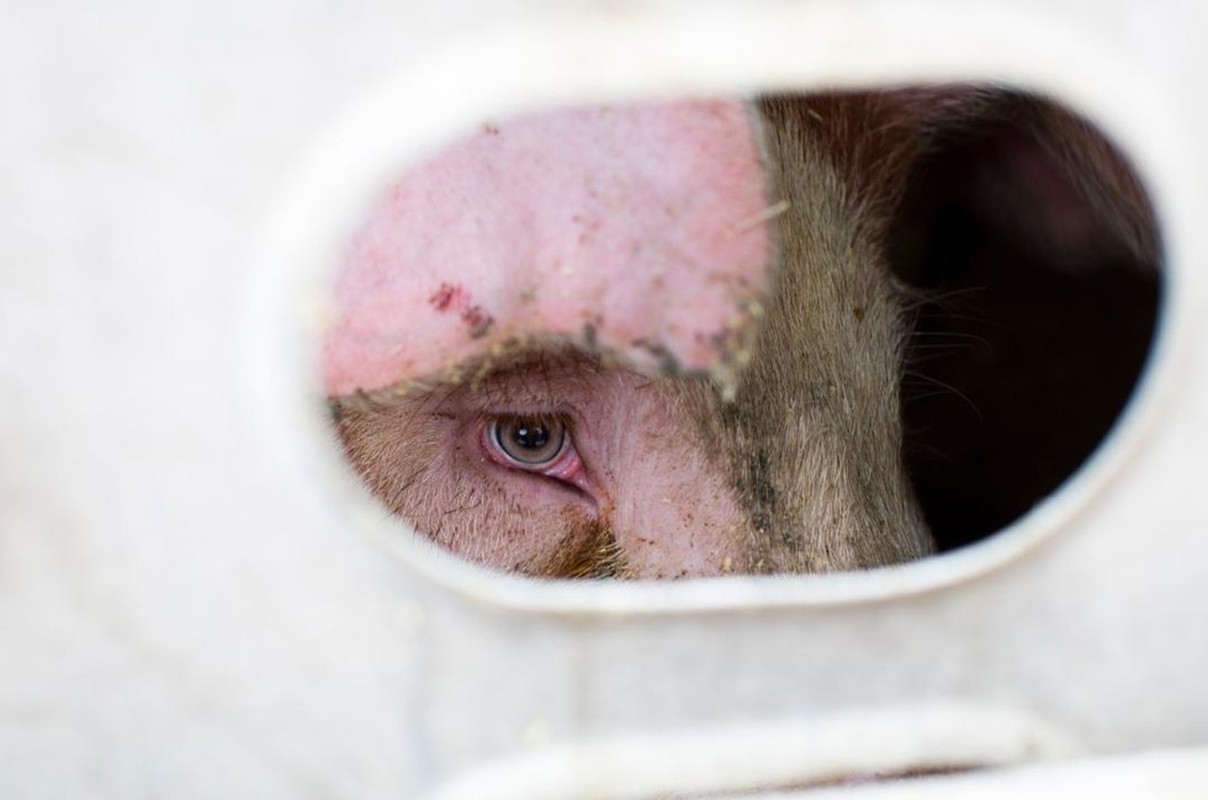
[{"x": 195, "y": 602}]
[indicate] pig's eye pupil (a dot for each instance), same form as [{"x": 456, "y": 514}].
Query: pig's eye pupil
[{"x": 529, "y": 441}]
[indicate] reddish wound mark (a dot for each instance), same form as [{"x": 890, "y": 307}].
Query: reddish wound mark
[
  {"x": 477, "y": 320},
  {"x": 446, "y": 296},
  {"x": 450, "y": 297}
]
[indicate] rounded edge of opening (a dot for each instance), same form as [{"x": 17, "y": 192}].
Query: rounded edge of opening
[{"x": 784, "y": 755}]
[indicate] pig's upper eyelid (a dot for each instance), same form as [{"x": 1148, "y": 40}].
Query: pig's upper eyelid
[{"x": 522, "y": 404}]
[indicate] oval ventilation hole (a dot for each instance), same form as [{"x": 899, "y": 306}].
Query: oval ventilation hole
[{"x": 557, "y": 349}]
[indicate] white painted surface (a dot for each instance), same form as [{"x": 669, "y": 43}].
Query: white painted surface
[{"x": 188, "y": 607}]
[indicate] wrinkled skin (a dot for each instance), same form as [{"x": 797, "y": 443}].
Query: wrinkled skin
[{"x": 655, "y": 341}]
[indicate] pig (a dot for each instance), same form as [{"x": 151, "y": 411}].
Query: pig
[{"x": 670, "y": 340}]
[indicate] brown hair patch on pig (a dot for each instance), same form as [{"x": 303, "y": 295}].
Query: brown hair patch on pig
[{"x": 588, "y": 549}]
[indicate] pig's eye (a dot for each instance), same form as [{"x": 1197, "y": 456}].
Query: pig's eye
[
  {"x": 539, "y": 444},
  {"x": 531, "y": 443}
]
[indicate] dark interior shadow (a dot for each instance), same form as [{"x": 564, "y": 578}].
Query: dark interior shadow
[{"x": 1033, "y": 321}]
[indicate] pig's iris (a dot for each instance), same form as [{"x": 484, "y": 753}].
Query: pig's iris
[{"x": 529, "y": 441}]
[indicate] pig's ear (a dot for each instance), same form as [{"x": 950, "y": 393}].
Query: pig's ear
[
  {"x": 640, "y": 230},
  {"x": 1034, "y": 255},
  {"x": 1030, "y": 177},
  {"x": 1058, "y": 188}
]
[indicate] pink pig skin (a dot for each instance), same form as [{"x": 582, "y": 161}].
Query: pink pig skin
[{"x": 638, "y": 229}]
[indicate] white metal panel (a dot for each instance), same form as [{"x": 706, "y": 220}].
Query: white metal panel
[{"x": 189, "y": 605}]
